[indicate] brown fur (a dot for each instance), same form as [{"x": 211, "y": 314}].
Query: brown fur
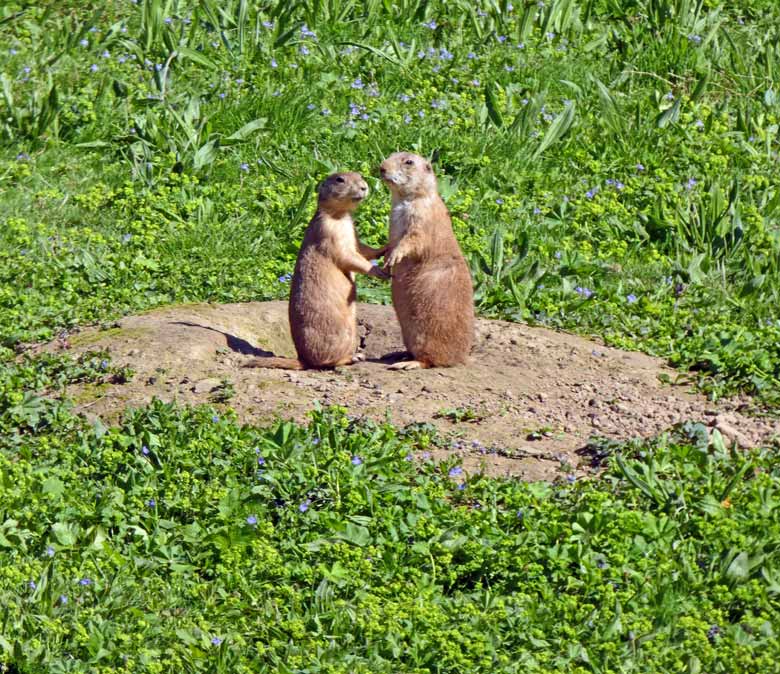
[
  {"x": 432, "y": 290},
  {"x": 322, "y": 315}
]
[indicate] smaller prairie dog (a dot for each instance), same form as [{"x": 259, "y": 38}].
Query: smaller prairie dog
[
  {"x": 432, "y": 291},
  {"x": 322, "y": 313}
]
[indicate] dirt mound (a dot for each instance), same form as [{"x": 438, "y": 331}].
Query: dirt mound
[{"x": 527, "y": 402}]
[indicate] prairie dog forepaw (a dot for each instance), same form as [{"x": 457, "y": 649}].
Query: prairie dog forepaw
[
  {"x": 379, "y": 272},
  {"x": 394, "y": 258},
  {"x": 358, "y": 358}
]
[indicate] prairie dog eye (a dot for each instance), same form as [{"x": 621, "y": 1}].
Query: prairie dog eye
[
  {"x": 339, "y": 179},
  {"x": 409, "y": 162}
]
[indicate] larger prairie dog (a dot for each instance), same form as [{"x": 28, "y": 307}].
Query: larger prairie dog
[
  {"x": 432, "y": 291},
  {"x": 322, "y": 314}
]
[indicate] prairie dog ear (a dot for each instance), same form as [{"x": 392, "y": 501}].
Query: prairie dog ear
[{"x": 428, "y": 167}]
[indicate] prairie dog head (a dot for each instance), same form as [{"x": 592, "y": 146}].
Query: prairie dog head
[
  {"x": 408, "y": 175},
  {"x": 341, "y": 193}
]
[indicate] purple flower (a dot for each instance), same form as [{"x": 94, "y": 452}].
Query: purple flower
[
  {"x": 356, "y": 460},
  {"x": 499, "y": 201},
  {"x": 537, "y": 210},
  {"x": 84, "y": 42},
  {"x": 325, "y": 112},
  {"x": 94, "y": 68},
  {"x": 85, "y": 582},
  {"x": 12, "y": 51},
  {"x": 145, "y": 450},
  {"x": 409, "y": 457},
  {"x": 691, "y": 183},
  {"x": 696, "y": 39},
  {"x": 268, "y": 24},
  {"x": 50, "y": 551},
  {"x": 407, "y": 119},
  {"x": 431, "y": 24},
  {"x": 404, "y": 98},
  {"x": 550, "y": 36},
  {"x": 216, "y": 641},
  {"x": 251, "y": 520},
  {"x": 168, "y": 20},
  {"x": 32, "y": 585},
  {"x": 122, "y": 59},
  {"x": 151, "y": 503},
  {"x": 106, "y": 54},
  {"x": 584, "y": 292},
  {"x": 631, "y": 298},
  {"x": 455, "y": 471},
  {"x": 699, "y": 124},
  {"x": 222, "y": 95},
  {"x": 23, "y": 156},
  {"x": 357, "y": 84},
  {"x": 471, "y": 55},
  {"x": 305, "y": 32},
  {"x": 475, "y": 83},
  {"x": 618, "y": 185},
  {"x": 285, "y": 278},
  {"x": 244, "y": 167},
  {"x": 274, "y": 64},
  {"x": 305, "y": 505},
  {"x": 640, "y": 167},
  {"x": 304, "y": 50},
  {"x": 215, "y": 419},
  {"x": 590, "y": 193},
  {"x": 558, "y": 255},
  {"x": 509, "y": 69},
  {"x": 461, "y": 486},
  {"x": 571, "y": 479},
  {"x": 501, "y": 38},
  {"x": 669, "y": 96}
]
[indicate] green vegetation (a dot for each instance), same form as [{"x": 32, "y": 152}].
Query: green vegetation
[{"x": 611, "y": 168}]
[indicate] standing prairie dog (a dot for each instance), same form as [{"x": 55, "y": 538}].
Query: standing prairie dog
[
  {"x": 322, "y": 314},
  {"x": 432, "y": 291}
]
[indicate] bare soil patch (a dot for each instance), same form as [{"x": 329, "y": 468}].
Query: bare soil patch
[{"x": 527, "y": 404}]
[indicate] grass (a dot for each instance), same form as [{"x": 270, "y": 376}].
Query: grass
[{"x": 611, "y": 168}]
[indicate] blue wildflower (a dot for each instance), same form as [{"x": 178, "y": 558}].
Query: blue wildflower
[
  {"x": 251, "y": 520},
  {"x": 356, "y": 460},
  {"x": 305, "y": 505}
]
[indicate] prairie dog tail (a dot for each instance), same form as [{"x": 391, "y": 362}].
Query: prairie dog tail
[{"x": 276, "y": 363}]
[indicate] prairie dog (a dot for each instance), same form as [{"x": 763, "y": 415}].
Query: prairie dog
[
  {"x": 322, "y": 314},
  {"x": 432, "y": 291}
]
